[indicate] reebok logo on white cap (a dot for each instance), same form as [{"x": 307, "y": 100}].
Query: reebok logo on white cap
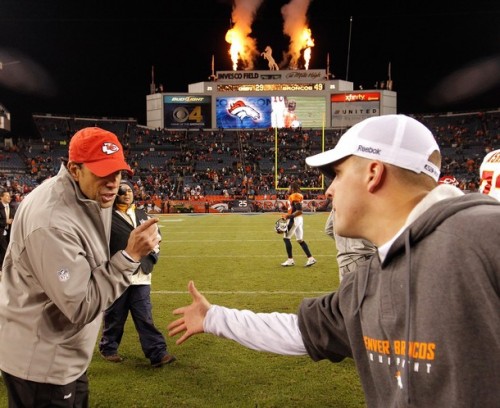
[
  {"x": 394, "y": 139},
  {"x": 365, "y": 149}
]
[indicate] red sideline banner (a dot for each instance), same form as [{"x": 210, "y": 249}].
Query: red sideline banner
[{"x": 228, "y": 205}]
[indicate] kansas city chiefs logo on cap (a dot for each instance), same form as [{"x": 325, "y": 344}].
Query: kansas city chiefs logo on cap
[{"x": 109, "y": 148}]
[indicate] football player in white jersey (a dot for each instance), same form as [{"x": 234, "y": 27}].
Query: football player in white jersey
[
  {"x": 489, "y": 172},
  {"x": 278, "y": 104}
]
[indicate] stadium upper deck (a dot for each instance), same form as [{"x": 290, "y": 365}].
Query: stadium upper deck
[{"x": 238, "y": 162}]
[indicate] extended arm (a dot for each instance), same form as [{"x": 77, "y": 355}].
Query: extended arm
[{"x": 272, "y": 332}]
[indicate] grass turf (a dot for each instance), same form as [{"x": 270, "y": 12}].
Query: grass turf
[{"x": 234, "y": 260}]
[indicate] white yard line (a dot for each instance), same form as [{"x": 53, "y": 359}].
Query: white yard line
[{"x": 238, "y": 292}]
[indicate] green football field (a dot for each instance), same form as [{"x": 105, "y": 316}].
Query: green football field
[{"x": 234, "y": 260}]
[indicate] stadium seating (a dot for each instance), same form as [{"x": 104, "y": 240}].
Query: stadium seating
[{"x": 169, "y": 164}]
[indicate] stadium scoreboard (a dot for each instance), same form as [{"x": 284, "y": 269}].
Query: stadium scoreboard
[
  {"x": 267, "y": 99},
  {"x": 269, "y": 87}
]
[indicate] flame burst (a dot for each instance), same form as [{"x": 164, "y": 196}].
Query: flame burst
[
  {"x": 235, "y": 39},
  {"x": 243, "y": 47},
  {"x": 295, "y": 26},
  {"x": 300, "y": 40},
  {"x": 308, "y": 42}
]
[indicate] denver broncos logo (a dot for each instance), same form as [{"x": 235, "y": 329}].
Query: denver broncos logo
[
  {"x": 220, "y": 207},
  {"x": 109, "y": 148},
  {"x": 243, "y": 111}
]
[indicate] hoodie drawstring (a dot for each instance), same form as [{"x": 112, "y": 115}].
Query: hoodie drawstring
[
  {"x": 407, "y": 314},
  {"x": 365, "y": 286}
]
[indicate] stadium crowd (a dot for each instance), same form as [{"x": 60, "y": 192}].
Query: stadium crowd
[{"x": 197, "y": 164}]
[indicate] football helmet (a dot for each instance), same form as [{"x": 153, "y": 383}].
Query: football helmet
[
  {"x": 449, "y": 180},
  {"x": 281, "y": 226}
]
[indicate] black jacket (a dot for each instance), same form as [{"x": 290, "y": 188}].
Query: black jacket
[
  {"x": 3, "y": 217},
  {"x": 120, "y": 231}
]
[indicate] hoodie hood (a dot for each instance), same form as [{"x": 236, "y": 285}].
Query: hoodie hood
[{"x": 440, "y": 204}]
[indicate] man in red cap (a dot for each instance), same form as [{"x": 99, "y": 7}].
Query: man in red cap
[{"x": 58, "y": 276}]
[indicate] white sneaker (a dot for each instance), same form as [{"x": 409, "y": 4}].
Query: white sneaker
[
  {"x": 288, "y": 262},
  {"x": 311, "y": 262}
]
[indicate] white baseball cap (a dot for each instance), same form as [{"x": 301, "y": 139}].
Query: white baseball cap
[{"x": 393, "y": 139}]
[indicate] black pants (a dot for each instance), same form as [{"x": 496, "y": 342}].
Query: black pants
[
  {"x": 136, "y": 300},
  {"x": 4, "y": 243},
  {"x": 30, "y": 394}
]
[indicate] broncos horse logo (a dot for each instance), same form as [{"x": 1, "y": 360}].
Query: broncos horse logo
[
  {"x": 243, "y": 111},
  {"x": 268, "y": 55}
]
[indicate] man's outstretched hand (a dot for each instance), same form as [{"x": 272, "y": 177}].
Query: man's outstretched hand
[{"x": 193, "y": 316}]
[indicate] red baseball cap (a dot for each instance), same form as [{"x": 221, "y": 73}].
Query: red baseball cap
[{"x": 99, "y": 150}]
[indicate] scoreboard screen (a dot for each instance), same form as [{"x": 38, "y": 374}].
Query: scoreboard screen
[
  {"x": 309, "y": 111},
  {"x": 184, "y": 111},
  {"x": 247, "y": 112},
  {"x": 252, "y": 112}
]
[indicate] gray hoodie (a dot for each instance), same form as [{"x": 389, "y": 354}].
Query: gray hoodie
[{"x": 423, "y": 326}]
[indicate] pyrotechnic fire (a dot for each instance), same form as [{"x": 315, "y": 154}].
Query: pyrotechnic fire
[
  {"x": 236, "y": 41},
  {"x": 243, "y": 48},
  {"x": 308, "y": 43}
]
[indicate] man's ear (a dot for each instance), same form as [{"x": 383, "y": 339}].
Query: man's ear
[
  {"x": 74, "y": 169},
  {"x": 376, "y": 175}
]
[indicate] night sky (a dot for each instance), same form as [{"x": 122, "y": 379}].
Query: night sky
[{"x": 95, "y": 59}]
